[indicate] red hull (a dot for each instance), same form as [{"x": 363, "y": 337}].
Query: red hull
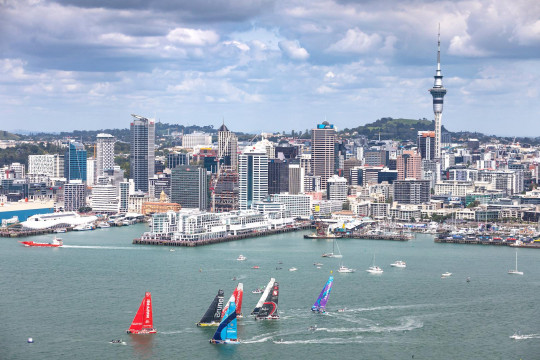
[{"x": 31, "y": 243}]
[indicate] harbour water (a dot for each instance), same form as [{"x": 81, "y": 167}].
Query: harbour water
[{"x": 72, "y": 301}]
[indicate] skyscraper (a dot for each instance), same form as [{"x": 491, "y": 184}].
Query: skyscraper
[
  {"x": 189, "y": 186},
  {"x": 426, "y": 144},
  {"x": 323, "y": 139},
  {"x": 438, "y": 91},
  {"x": 278, "y": 176},
  {"x": 253, "y": 175},
  {"x": 75, "y": 162},
  {"x": 104, "y": 153},
  {"x": 228, "y": 148},
  {"x": 141, "y": 157}
]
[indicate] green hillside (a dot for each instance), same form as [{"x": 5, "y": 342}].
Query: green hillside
[
  {"x": 395, "y": 129},
  {"x": 4, "y": 135}
]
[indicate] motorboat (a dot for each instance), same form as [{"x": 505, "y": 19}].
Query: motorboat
[
  {"x": 171, "y": 250},
  {"x": 375, "y": 270},
  {"x": 55, "y": 242},
  {"x": 241, "y": 258},
  {"x": 83, "y": 227},
  {"x": 341, "y": 310},
  {"x": 103, "y": 225},
  {"x": 399, "y": 264},
  {"x": 293, "y": 269},
  {"x": 312, "y": 328},
  {"x": 257, "y": 291},
  {"x": 60, "y": 231},
  {"x": 317, "y": 264},
  {"x": 344, "y": 269},
  {"x": 517, "y": 336},
  {"x": 446, "y": 274},
  {"x": 255, "y": 267}
]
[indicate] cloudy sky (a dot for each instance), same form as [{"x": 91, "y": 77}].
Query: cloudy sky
[{"x": 269, "y": 65}]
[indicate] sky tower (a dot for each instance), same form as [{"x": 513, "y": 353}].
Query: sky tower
[{"x": 438, "y": 91}]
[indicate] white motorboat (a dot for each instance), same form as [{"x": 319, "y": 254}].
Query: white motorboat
[
  {"x": 344, "y": 269},
  {"x": 241, "y": 258},
  {"x": 515, "y": 271},
  {"x": 83, "y": 227},
  {"x": 446, "y": 274},
  {"x": 103, "y": 225},
  {"x": 399, "y": 264},
  {"x": 293, "y": 269}
]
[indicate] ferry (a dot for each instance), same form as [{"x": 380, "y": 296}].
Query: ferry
[{"x": 56, "y": 242}]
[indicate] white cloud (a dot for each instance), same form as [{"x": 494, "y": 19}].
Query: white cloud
[
  {"x": 464, "y": 46},
  {"x": 192, "y": 37},
  {"x": 293, "y": 50},
  {"x": 356, "y": 41}
]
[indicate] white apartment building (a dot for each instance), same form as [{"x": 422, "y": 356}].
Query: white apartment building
[
  {"x": 253, "y": 175},
  {"x": 454, "y": 188},
  {"x": 196, "y": 139},
  {"x": 50, "y": 165},
  {"x": 336, "y": 188},
  {"x": 298, "y": 205},
  {"x": 104, "y": 199},
  {"x": 104, "y": 153}
]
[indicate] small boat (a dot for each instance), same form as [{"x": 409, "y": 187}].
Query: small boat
[
  {"x": 399, "y": 264},
  {"x": 344, "y": 269},
  {"x": 55, "y": 242},
  {"x": 269, "y": 308},
  {"x": 241, "y": 258},
  {"x": 236, "y": 298},
  {"x": 83, "y": 227},
  {"x": 103, "y": 225},
  {"x": 279, "y": 268},
  {"x": 60, "y": 231},
  {"x": 118, "y": 342},
  {"x": 226, "y": 332},
  {"x": 446, "y": 274},
  {"x": 257, "y": 291},
  {"x": 517, "y": 336},
  {"x": 374, "y": 269},
  {"x": 255, "y": 267},
  {"x": 263, "y": 297},
  {"x": 293, "y": 269},
  {"x": 143, "y": 321},
  {"x": 212, "y": 316},
  {"x": 341, "y": 310},
  {"x": 515, "y": 271},
  {"x": 30, "y": 340},
  {"x": 171, "y": 250},
  {"x": 312, "y": 328},
  {"x": 317, "y": 264},
  {"x": 468, "y": 279},
  {"x": 320, "y": 304}
]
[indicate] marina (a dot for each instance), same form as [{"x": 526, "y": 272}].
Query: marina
[{"x": 407, "y": 311}]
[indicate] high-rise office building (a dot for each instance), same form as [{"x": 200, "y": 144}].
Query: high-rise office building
[
  {"x": 323, "y": 139},
  {"x": 253, "y": 175},
  {"x": 278, "y": 176},
  {"x": 189, "y": 187},
  {"x": 175, "y": 159},
  {"x": 75, "y": 162},
  {"x": 336, "y": 188},
  {"x": 296, "y": 179},
  {"x": 104, "y": 153},
  {"x": 426, "y": 144},
  {"x": 437, "y": 92},
  {"x": 142, "y": 151},
  {"x": 123, "y": 198},
  {"x": 228, "y": 148},
  {"x": 409, "y": 166}
]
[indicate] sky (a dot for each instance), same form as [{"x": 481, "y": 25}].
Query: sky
[{"x": 268, "y": 65}]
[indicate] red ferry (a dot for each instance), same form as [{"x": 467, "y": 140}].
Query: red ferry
[{"x": 56, "y": 242}]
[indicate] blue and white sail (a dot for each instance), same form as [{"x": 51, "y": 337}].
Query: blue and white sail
[
  {"x": 320, "y": 303},
  {"x": 226, "y": 331}
]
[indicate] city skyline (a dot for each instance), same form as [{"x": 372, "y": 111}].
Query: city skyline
[{"x": 267, "y": 65}]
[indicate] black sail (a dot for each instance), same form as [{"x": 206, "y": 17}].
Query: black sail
[
  {"x": 213, "y": 314},
  {"x": 270, "y": 307}
]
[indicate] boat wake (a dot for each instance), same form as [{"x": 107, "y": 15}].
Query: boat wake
[
  {"x": 102, "y": 247},
  {"x": 406, "y": 324},
  {"x": 355, "y": 339},
  {"x": 525, "y": 337}
]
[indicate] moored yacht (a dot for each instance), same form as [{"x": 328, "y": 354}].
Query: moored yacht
[
  {"x": 344, "y": 269},
  {"x": 399, "y": 264}
]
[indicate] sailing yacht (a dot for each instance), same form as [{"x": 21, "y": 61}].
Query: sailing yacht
[
  {"x": 333, "y": 253},
  {"x": 515, "y": 271},
  {"x": 320, "y": 303},
  {"x": 212, "y": 316},
  {"x": 263, "y": 297},
  {"x": 374, "y": 269},
  {"x": 236, "y": 297},
  {"x": 226, "y": 332},
  {"x": 344, "y": 269},
  {"x": 269, "y": 309},
  {"x": 142, "y": 322}
]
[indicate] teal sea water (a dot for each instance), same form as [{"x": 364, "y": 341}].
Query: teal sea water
[{"x": 74, "y": 300}]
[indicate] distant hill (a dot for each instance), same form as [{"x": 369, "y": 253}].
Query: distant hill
[
  {"x": 4, "y": 135},
  {"x": 395, "y": 129}
]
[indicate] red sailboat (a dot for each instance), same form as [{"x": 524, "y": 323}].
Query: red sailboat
[
  {"x": 237, "y": 296},
  {"x": 143, "y": 322}
]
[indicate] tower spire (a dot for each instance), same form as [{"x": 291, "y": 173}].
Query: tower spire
[
  {"x": 437, "y": 92},
  {"x": 439, "y": 49}
]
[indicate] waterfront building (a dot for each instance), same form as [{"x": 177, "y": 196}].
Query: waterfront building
[
  {"x": 379, "y": 210},
  {"x": 123, "y": 203},
  {"x": 360, "y": 208},
  {"x": 189, "y": 187},
  {"x": 104, "y": 199},
  {"x": 323, "y": 139},
  {"x": 324, "y": 208},
  {"x": 336, "y": 188},
  {"x": 49, "y": 165},
  {"x": 405, "y": 213},
  {"x": 253, "y": 175},
  {"x": 74, "y": 195},
  {"x": 135, "y": 201},
  {"x": 298, "y": 205},
  {"x": 142, "y": 151},
  {"x": 296, "y": 179},
  {"x": 75, "y": 162},
  {"x": 437, "y": 92},
  {"x": 196, "y": 139},
  {"x": 176, "y": 158},
  {"x": 411, "y": 191},
  {"x": 104, "y": 153},
  {"x": 228, "y": 147},
  {"x": 278, "y": 176},
  {"x": 163, "y": 206}
]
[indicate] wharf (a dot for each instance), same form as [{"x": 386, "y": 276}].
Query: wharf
[
  {"x": 487, "y": 242},
  {"x": 391, "y": 237},
  {"x": 168, "y": 242}
]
